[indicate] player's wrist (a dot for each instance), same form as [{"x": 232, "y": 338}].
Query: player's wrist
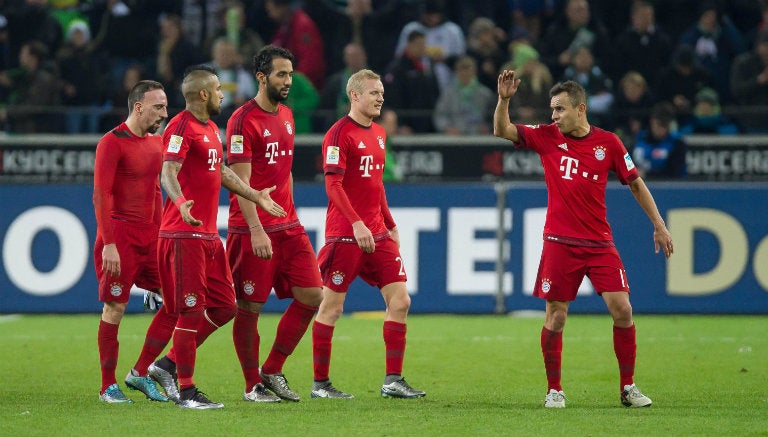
[
  {"x": 179, "y": 200},
  {"x": 256, "y": 227}
]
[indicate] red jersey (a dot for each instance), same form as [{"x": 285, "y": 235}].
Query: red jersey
[
  {"x": 197, "y": 146},
  {"x": 357, "y": 153},
  {"x": 576, "y": 172},
  {"x": 265, "y": 140},
  {"x": 126, "y": 183}
]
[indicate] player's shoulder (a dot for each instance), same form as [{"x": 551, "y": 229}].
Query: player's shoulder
[{"x": 600, "y": 134}]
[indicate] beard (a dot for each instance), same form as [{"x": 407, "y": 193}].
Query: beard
[
  {"x": 274, "y": 94},
  {"x": 214, "y": 110},
  {"x": 153, "y": 129}
]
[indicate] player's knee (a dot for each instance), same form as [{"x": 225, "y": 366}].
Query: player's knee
[
  {"x": 253, "y": 307},
  {"x": 219, "y": 316},
  {"x": 309, "y": 296},
  {"x": 400, "y": 303}
]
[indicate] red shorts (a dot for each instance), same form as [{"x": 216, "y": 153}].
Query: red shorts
[
  {"x": 137, "y": 245},
  {"x": 194, "y": 273},
  {"x": 293, "y": 264},
  {"x": 341, "y": 263},
  {"x": 563, "y": 267}
]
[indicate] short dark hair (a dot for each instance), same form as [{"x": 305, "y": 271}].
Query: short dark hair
[
  {"x": 142, "y": 87},
  {"x": 415, "y": 34},
  {"x": 199, "y": 67},
  {"x": 262, "y": 61},
  {"x": 576, "y": 93},
  {"x": 664, "y": 113}
]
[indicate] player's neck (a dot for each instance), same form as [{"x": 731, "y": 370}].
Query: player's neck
[
  {"x": 360, "y": 119},
  {"x": 199, "y": 111},
  {"x": 265, "y": 103},
  {"x": 581, "y": 130},
  {"x": 134, "y": 127}
]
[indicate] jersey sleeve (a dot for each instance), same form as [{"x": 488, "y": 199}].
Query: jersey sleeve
[
  {"x": 105, "y": 167},
  {"x": 240, "y": 139},
  {"x": 625, "y": 168},
  {"x": 175, "y": 143},
  {"x": 389, "y": 221},
  {"x": 334, "y": 152},
  {"x": 337, "y": 196}
]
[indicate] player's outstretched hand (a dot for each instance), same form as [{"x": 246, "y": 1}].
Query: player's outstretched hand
[
  {"x": 267, "y": 204},
  {"x": 186, "y": 213},
  {"x": 152, "y": 301}
]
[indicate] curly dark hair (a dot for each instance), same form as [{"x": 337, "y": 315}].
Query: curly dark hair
[{"x": 262, "y": 61}]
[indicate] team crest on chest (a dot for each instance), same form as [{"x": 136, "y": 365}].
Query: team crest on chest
[
  {"x": 599, "y": 152},
  {"x": 288, "y": 128},
  {"x": 381, "y": 141}
]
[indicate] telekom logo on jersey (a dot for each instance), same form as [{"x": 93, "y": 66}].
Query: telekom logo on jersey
[
  {"x": 213, "y": 159},
  {"x": 570, "y": 166}
]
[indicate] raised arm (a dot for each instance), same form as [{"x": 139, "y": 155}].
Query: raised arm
[{"x": 507, "y": 87}]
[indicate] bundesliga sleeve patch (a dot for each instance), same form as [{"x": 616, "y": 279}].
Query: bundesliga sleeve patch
[
  {"x": 628, "y": 161},
  {"x": 332, "y": 155},
  {"x": 236, "y": 144},
  {"x": 174, "y": 144}
]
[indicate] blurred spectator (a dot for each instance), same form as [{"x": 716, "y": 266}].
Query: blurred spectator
[
  {"x": 643, "y": 46},
  {"x": 659, "y": 152},
  {"x": 535, "y": 83},
  {"x": 597, "y": 84},
  {"x": 707, "y": 117},
  {"x": 633, "y": 102},
  {"x": 716, "y": 42},
  {"x": 32, "y": 89},
  {"x": 388, "y": 120},
  {"x": 237, "y": 84},
  {"x": 679, "y": 82},
  {"x": 333, "y": 98},
  {"x": 303, "y": 100},
  {"x": 5, "y": 49},
  {"x": 30, "y": 20},
  {"x": 174, "y": 54},
  {"x": 486, "y": 44},
  {"x": 231, "y": 26},
  {"x": 577, "y": 28},
  {"x": 464, "y": 13},
  {"x": 465, "y": 107},
  {"x": 84, "y": 74},
  {"x": 749, "y": 84},
  {"x": 445, "y": 40},
  {"x": 533, "y": 15},
  {"x": 366, "y": 22},
  {"x": 297, "y": 32},
  {"x": 128, "y": 32},
  {"x": 118, "y": 111},
  {"x": 411, "y": 87},
  {"x": 201, "y": 20}
]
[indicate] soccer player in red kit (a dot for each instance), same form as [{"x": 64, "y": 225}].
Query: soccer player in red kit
[
  {"x": 361, "y": 238},
  {"x": 197, "y": 282},
  {"x": 266, "y": 251},
  {"x": 127, "y": 203},
  {"x": 577, "y": 158}
]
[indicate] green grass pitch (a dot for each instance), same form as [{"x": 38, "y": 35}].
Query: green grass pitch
[{"x": 484, "y": 376}]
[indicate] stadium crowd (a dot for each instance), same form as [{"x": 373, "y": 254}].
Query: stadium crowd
[{"x": 67, "y": 65}]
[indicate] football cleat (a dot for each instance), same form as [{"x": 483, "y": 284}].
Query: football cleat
[
  {"x": 554, "y": 399},
  {"x": 260, "y": 394},
  {"x": 401, "y": 389},
  {"x": 279, "y": 386},
  {"x": 146, "y": 385},
  {"x": 631, "y": 397},
  {"x": 324, "y": 389},
  {"x": 113, "y": 395},
  {"x": 194, "y": 399},
  {"x": 167, "y": 379}
]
